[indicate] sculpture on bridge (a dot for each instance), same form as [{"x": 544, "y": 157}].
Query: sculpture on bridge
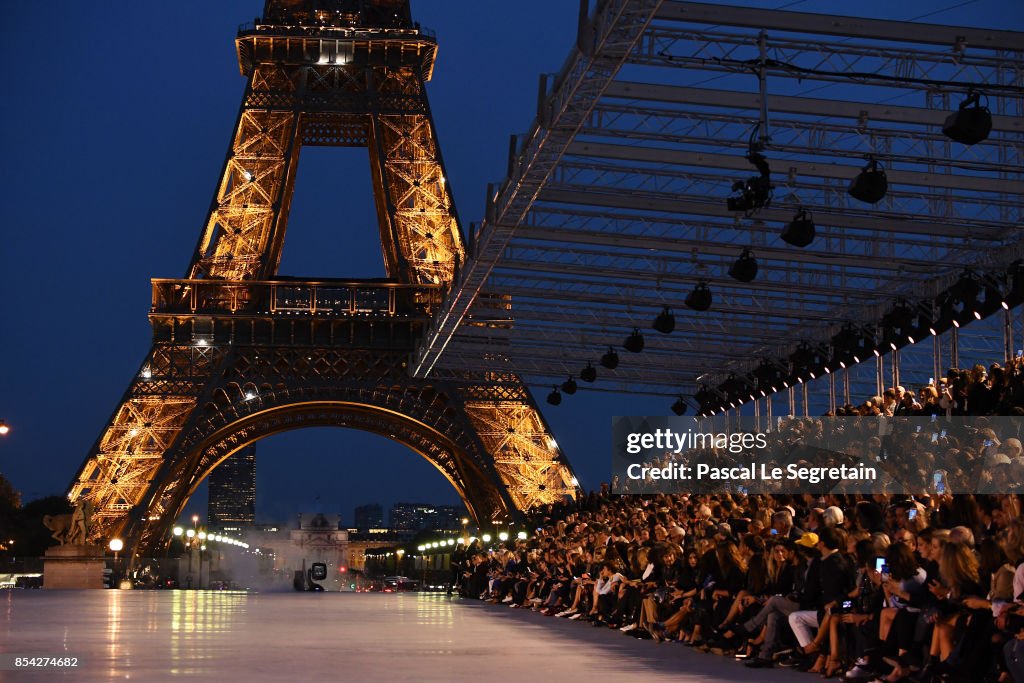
[{"x": 71, "y": 528}]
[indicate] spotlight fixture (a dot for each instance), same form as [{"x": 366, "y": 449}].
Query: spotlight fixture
[
  {"x": 610, "y": 359},
  {"x": 555, "y": 397},
  {"x": 700, "y": 298},
  {"x": 679, "y": 407},
  {"x": 870, "y": 184},
  {"x": 971, "y": 123},
  {"x": 756, "y": 191},
  {"x": 800, "y": 231},
  {"x": 588, "y": 374},
  {"x": 635, "y": 342},
  {"x": 745, "y": 267},
  {"x": 569, "y": 386},
  {"x": 665, "y": 322}
]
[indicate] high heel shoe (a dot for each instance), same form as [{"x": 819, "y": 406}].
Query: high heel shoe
[{"x": 832, "y": 668}]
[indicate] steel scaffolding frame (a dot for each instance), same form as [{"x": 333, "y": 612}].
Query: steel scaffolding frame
[{"x": 614, "y": 205}]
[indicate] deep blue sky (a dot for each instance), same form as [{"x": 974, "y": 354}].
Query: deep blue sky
[{"x": 116, "y": 119}]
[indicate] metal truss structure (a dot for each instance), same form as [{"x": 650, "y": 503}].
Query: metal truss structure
[
  {"x": 239, "y": 354},
  {"x": 615, "y": 200}
]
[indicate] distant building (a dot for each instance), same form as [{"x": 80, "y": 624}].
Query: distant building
[
  {"x": 369, "y": 516},
  {"x": 449, "y": 517},
  {"x": 232, "y": 488},
  {"x": 408, "y": 518}
]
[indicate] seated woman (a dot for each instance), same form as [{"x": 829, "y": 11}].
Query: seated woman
[{"x": 957, "y": 594}]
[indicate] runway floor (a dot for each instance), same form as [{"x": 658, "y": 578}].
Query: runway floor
[{"x": 156, "y": 636}]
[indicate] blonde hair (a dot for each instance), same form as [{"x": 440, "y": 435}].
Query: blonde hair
[{"x": 957, "y": 566}]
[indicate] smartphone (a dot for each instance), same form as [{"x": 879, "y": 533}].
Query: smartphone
[
  {"x": 931, "y": 380},
  {"x": 881, "y": 566},
  {"x": 935, "y": 438},
  {"x": 988, "y": 442},
  {"x": 847, "y": 604},
  {"x": 742, "y": 489},
  {"x": 1020, "y": 353},
  {"x": 918, "y": 429},
  {"x": 775, "y": 532},
  {"x": 943, "y": 433},
  {"x": 912, "y": 513},
  {"x": 939, "y": 482},
  {"x": 934, "y": 418}
]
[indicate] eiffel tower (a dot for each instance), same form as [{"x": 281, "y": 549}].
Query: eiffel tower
[{"x": 240, "y": 353}]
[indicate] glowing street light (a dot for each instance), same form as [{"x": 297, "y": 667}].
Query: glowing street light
[
  {"x": 486, "y": 538},
  {"x": 4, "y": 428},
  {"x": 503, "y": 536},
  {"x": 178, "y": 531},
  {"x": 191, "y": 533}
]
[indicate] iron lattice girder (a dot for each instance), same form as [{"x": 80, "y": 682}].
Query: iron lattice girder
[
  {"x": 663, "y": 202},
  {"x": 673, "y": 234},
  {"x": 832, "y": 25},
  {"x": 865, "y": 113},
  {"x": 639, "y": 273},
  {"x": 694, "y": 128},
  {"x": 803, "y": 59},
  {"x": 822, "y": 261},
  {"x": 287, "y": 106},
  {"x": 988, "y": 189}
]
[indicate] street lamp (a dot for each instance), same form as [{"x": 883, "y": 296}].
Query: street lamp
[
  {"x": 4, "y": 428},
  {"x": 178, "y": 531},
  {"x": 117, "y": 545},
  {"x": 190, "y": 534}
]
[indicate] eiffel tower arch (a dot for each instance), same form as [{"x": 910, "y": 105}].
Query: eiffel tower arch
[{"x": 240, "y": 353}]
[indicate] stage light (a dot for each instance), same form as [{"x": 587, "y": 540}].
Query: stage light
[
  {"x": 555, "y": 397},
  {"x": 588, "y": 374},
  {"x": 569, "y": 386},
  {"x": 755, "y": 192},
  {"x": 971, "y": 123},
  {"x": 679, "y": 407},
  {"x": 522, "y": 536},
  {"x": 635, "y": 342},
  {"x": 610, "y": 359},
  {"x": 870, "y": 185},
  {"x": 745, "y": 267},
  {"x": 665, "y": 322},
  {"x": 700, "y": 298},
  {"x": 800, "y": 231}
]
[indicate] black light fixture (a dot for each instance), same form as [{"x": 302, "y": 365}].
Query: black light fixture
[
  {"x": 870, "y": 185},
  {"x": 745, "y": 267},
  {"x": 665, "y": 322},
  {"x": 756, "y": 191},
  {"x": 700, "y": 298},
  {"x": 588, "y": 374},
  {"x": 555, "y": 397},
  {"x": 800, "y": 231},
  {"x": 635, "y": 342},
  {"x": 610, "y": 359},
  {"x": 679, "y": 407},
  {"x": 971, "y": 123},
  {"x": 569, "y": 386}
]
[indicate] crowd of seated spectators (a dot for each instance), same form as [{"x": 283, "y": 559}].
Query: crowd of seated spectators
[{"x": 879, "y": 586}]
